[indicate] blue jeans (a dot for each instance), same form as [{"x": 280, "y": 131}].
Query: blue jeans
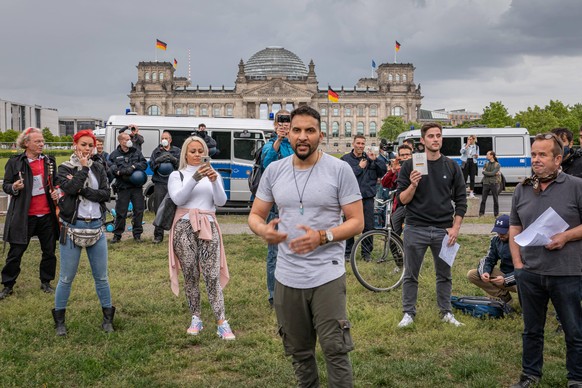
[
  {"x": 416, "y": 241},
  {"x": 70, "y": 255},
  {"x": 535, "y": 291},
  {"x": 272, "y": 252}
]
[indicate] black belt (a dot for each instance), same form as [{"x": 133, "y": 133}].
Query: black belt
[{"x": 88, "y": 219}]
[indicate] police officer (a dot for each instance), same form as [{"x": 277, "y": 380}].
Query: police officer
[
  {"x": 125, "y": 163},
  {"x": 164, "y": 160}
]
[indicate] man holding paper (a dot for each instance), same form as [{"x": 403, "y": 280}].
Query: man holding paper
[
  {"x": 552, "y": 271},
  {"x": 428, "y": 185}
]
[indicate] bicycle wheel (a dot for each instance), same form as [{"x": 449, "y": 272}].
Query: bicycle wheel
[{"x": 377, "y": 260}]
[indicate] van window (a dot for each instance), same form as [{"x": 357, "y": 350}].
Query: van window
[
  {"x": 451, "y": 146},
  {"x": 485, "y": 144},
  {"x": 509, "y": 145},
  {"x": 179, "y": 136},
  {"x": 223, "y": 140}
]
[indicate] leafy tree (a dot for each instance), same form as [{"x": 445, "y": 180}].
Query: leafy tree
[
  {"x": 496, "y": 116},
  {"x": 10, "y": 136},
  {"x": 537, "y": 120},
  {"x": 392, "y": 127},
  {"x": 48, "y": 135}
]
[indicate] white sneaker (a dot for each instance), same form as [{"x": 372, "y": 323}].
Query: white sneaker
[
  {"x": 407, "y": 320},
  {"x": 450, "y": 318},
  {"x": 472, "y": 195}
]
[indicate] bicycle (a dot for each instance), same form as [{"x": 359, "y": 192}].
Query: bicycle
[{"x": 377, "y": 256}]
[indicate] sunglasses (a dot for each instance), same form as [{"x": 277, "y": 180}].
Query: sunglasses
[{"x": 549, "y": 136}]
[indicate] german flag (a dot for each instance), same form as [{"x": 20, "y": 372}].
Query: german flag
[
  {"x": 175, "y": 63},
  {"x": 161, "y": 45},
  {"x": 397, "y": 46},
  {"x": 331, "y": 95}
]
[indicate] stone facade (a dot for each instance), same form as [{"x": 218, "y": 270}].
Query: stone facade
[{"x": 275, "y": 78}]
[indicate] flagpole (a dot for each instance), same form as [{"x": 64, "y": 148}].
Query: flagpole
[{"x": 156, "y": 49}]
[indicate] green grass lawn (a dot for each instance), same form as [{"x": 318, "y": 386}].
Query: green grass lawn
[{"x": 150, "y": 347}]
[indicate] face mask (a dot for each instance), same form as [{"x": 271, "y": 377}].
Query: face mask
[
  {"x": 129, "y": 144},
  {"x": 566, "y": 150},
  {"x": 165, "y": 143}
]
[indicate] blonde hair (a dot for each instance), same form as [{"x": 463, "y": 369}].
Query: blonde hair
[
  {"x": 24, "y": 137},
  {"x": 183, "y": 162}
]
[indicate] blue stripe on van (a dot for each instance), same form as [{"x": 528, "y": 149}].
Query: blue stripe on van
[{"x": 504, "y": 161}]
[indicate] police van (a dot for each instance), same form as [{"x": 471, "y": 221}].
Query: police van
[
  {"x": 237, "y": 140},
  {"x": 511, "y": 145}
]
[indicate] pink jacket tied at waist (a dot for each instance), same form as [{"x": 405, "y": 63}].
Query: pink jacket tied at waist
[{"x": 200, "y": 223}]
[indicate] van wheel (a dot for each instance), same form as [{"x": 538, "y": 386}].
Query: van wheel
[{"x": 150, "y": 202}]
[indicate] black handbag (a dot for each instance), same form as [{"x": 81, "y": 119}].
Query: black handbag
[{"x": 166, "y": 212}]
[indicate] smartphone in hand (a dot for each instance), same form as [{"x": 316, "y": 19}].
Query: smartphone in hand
[{"x": 206, "y": 159}]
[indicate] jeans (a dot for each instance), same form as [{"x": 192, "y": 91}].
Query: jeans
[
  {"x": 470, "y": 171},
  {"x": 494, "y": 190},
  {"x": 160, "y": 191},
  {"x": 306, "y": 314},
  {"x": 535, "y": 291},
  {"x": 416, "y": 240},
  {"x": 70, "y": 255},
  {"x": 397, "y": 219},
  {"x": 135, "y": 195},
  {"x": 272, "y": 252},
  {"x": 42, "y": 227},
  {"x": 368, "y": 204}
]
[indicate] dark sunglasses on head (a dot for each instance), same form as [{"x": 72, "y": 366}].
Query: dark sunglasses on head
[{"x": 283, "y": 119}]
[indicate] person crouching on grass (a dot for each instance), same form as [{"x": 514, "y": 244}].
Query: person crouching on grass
[
  {"x": 85, "y": 187},
  {"x": 195, "y": 243}
]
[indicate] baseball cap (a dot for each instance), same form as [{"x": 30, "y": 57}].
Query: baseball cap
[{"x": 501, "y": 224}]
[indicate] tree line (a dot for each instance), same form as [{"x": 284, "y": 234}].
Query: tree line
[
  {"x": 495, "y": 115},
  {"x": 10, "y": 136}
]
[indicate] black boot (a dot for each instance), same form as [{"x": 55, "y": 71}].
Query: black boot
[
  {"x": 108, "y": 313},
  {"x": 59, "y": 317}
]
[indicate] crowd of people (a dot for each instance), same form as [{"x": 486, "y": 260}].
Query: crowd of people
[{"x": 308, "y": 208}]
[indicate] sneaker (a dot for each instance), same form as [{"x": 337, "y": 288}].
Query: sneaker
[
  {"x": 526, "y": 381},
  {"x": 137, "y": 239},
  {"x": 46, "y": 288},
  {"x": 5, "y": 292},
  {"x": 195, "y": 326},
  {"x": 157, "y": 240},
  {"x": 450, "y": 318},
  {"x": 115, "y": 239},
  {"x": 225, "y": 332},
  {"x": 472, "y": 195},
  {"x": 407, "y": 320}
]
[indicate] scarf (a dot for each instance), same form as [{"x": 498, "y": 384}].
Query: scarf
[{"x": 535, "y": 180}]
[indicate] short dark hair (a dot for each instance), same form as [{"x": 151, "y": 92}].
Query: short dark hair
[
  {"x": 359, "y": 137},
  {"x": 305, "y": 110},
  {"x": 428, "y": 126},
  {"x": 201, "y": 125},
  {"x": 563, "y": 132},
  {"x": 403, "y": 146}
]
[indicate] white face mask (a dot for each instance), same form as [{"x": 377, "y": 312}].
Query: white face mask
[
  {"x": 129, "y": 144},
  {"x": 165, "y": 143}
]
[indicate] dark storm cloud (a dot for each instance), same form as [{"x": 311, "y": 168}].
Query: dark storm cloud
[{"x": 81, "y": 58}]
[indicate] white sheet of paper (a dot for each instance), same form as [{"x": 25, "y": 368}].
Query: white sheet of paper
[
  {"x": 420, "y": 163},
  {"x": 448, "y": 253},
  {"x": 540, "y": 232}
]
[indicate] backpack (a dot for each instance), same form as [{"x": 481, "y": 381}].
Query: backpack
[
  {"x": 257, "y": 171},
  {"x": 480, "y": 306}
]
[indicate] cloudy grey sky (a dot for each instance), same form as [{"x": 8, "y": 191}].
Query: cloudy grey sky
[{"x": 80, "y": 57}]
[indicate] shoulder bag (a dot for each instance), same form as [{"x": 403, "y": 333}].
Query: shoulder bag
[{"x": 166, "y": 211}]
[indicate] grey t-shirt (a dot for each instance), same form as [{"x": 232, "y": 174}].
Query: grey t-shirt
[
  {"x": 331, "y": 185},
  {"x": 564, "y": 195}
]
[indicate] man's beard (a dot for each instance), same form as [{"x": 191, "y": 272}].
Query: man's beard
[{"x": 307, "y": 154}]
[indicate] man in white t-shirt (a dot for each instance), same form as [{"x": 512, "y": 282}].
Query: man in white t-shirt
[{"x": 310, "y": 189}]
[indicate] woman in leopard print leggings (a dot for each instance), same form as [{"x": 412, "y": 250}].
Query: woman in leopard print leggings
[{"x": 195, "y": 240}]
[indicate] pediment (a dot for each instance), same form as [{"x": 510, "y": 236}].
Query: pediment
[{"x": 277, "y": 88}]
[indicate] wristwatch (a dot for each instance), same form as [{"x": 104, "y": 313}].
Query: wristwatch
[{"x": 329, "y": 235}]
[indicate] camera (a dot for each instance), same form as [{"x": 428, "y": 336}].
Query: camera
[{"x": 284, "y": 119}]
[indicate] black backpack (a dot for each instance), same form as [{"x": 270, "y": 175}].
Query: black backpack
[{"x": 257, "y": 171}]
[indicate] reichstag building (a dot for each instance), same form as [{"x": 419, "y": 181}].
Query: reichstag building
[{"x": 276, "y": 78}]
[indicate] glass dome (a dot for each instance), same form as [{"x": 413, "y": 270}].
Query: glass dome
[{"x": 275, "y": 61}]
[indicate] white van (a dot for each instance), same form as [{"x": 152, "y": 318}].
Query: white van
[
  {"x": 511, "y": 145},
  {"x": 237, "y": 139}
]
